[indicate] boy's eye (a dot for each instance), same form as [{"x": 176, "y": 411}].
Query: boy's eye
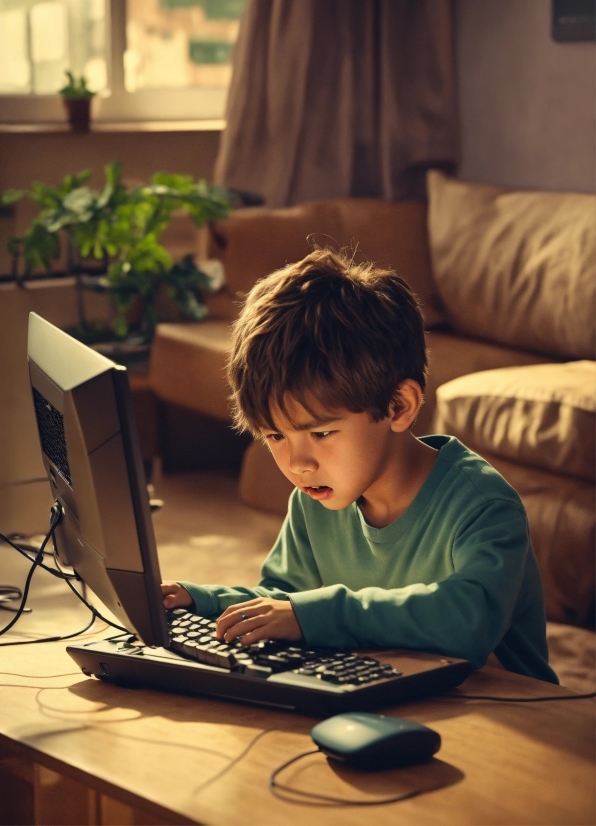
[
  {"x": 274, "y": 437},
  {"x": 322, "y": 434}
]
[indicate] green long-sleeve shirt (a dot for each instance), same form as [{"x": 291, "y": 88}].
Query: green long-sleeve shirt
[{"x": 454, "y": 574}]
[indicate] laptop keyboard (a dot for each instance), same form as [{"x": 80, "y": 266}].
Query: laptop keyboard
[{"x": 194, "y": 637}]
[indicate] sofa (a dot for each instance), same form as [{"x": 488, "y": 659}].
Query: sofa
[{"x": 507, "y": 284}]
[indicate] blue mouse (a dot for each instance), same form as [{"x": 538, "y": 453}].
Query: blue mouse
[{"x": 373, "y": 741}]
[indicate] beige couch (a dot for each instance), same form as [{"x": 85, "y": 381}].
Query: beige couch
[{"x": 507, "y": 284}]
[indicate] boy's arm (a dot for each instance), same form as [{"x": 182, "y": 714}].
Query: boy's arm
[
  {"x": 465, "y": 615},
  {"x": 289, "y": 567}
]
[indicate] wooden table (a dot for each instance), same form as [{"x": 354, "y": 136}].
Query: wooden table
[{"x": 76, "y": 750}]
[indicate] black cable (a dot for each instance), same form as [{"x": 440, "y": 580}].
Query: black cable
[
  {"x": 313, "y": 798},
  {"x": 495, "y": 699},
  {"x": 55, "y": 517},
  {"x": 53, "y": 639},
  {"x": 37, "y": 561},
  {"x": 31, "y": 559}
]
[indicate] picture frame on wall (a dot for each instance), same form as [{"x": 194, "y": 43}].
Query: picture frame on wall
[{"x": 573, "y": 20}]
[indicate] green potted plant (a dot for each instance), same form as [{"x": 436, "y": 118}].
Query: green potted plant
[
  {"x": 77, "y": 102},
  {"x": 112, "y": 245}
]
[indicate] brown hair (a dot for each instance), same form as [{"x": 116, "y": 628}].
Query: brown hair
[{"x": 343, "y": 334}]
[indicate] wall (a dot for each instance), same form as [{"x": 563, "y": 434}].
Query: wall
[
  {"x": 527, "y": 104},
  {"x": 48, "y": 156}
]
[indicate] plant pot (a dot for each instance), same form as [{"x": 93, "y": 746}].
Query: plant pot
[{"x": 79, "y": 113}]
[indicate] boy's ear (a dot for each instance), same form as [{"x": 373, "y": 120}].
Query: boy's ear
[{"x": 405, "y": 405}]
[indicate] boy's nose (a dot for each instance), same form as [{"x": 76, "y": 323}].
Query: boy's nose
[{"x": 301, "y": 461}]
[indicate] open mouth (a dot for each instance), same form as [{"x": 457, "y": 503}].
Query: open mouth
[{"x": 318, "y": 491}]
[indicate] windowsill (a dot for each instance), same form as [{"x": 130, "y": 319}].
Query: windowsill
[{"x": 216, "y": 125}]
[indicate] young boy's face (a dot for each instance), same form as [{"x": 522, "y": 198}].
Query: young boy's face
[{"x": 335, "y": 458}]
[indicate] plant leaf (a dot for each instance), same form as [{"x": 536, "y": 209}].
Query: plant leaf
[{"x": 11, "y": 196}]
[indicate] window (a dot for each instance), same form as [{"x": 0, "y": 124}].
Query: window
[
  {"x": 40, "y": 40},
  {"x": 146, "y": 59}
]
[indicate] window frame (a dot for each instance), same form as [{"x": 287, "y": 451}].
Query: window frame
[{"x": 118, "y": 105}]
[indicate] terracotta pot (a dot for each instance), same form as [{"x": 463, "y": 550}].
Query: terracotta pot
[{"x": 78, "y": 112}]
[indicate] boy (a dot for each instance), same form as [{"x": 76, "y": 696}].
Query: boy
[{"x": 390, "y": 540}]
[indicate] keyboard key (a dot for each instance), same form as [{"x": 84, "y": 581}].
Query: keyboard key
[
  {"x": 189, "y": 648},
  {"x": 329, "y": 676},
  {"x": 224, "y": 657},
  {"x": 254, "y": 670},
  {"x": 209, "y": 656}
]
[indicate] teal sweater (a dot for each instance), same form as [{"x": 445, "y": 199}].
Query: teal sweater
[{"x": 455, "y": 574}]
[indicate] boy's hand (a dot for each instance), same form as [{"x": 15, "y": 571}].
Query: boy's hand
[
  {"x": 259, "y": 619},
  {"x": 175, "y": 596}
]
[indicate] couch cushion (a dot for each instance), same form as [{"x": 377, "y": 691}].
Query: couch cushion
[
  {"x": 539, "y": 415},
  {"x": 517, "y": 268},
  {"x": 451, "y": 355},
  {"x": 256, "y": 241},
  {"x": 188, "y": 363},
  {"x": 262, "y": 484}
]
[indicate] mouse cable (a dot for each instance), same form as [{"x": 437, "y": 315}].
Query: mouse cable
[
  {"x": 283, "y": 792},
  {"x": 495, "y": 699}
]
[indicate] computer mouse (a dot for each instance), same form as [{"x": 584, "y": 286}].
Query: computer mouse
[{"x": 373, "y": 741}]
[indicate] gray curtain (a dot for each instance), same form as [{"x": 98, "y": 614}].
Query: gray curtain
[{"x": 333, "y": 98}]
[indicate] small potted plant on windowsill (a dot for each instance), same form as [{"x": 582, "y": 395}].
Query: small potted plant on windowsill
[{"x": 77, "y": 102}]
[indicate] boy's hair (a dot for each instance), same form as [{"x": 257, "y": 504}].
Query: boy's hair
[{"x": 325, "y": 330}]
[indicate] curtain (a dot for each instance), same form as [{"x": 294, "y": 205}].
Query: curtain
[{"x": 333, "y": 98}]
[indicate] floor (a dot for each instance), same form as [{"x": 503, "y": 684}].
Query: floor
[{"x": 204, "y": 532}]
